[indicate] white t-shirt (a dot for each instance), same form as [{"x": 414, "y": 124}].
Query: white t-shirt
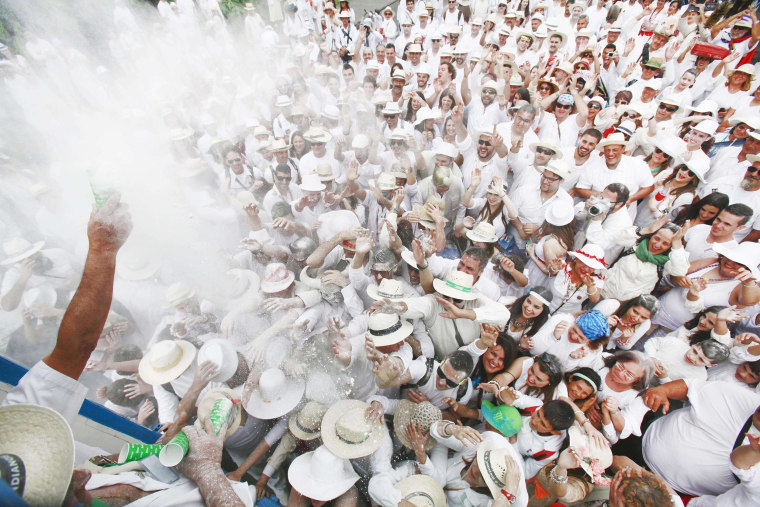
[
  {"x": 632, "y": 172},
  {"x": 696, "y": 243}
]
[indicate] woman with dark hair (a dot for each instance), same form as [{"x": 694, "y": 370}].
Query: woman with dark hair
[
  {"x": 528, "y": 313},
  {"x": 628, "y": 320},
  {"x": 299, "y": 145},
  {"x": 582, "y": 387},
  {"x": 531, "y": 379},
  {"x": 496, "y": 208},
  {"x": 702, "y": 211},
  {"x": 415, "y": 102},
  {"x": 511, "y": 275},
  {"x": 446, "y": 103},
  {"x": 672, "y": 193},
  {"x": 554, "y": 238}
]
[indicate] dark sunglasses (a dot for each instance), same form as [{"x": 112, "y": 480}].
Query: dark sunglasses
[
  {"x": 234, "y": 160},
  {"x": 752, "y": 169},
  {"x": 621, "y": 101},
  {"x": 544, "y": 151},
  {"x": 670, "y": 109},
  {"x": 387, "y": 116},
  {"x": 484, "y": 143},
  {"x": 686, "y": 169},
  {"x": 284, "y": 178},
  {"x": 660, "y": 152},
  {"x": 628, "y": 114},
  {"x": 396, "y": 142},
  {"x": 449, "y": 382},
  {"x": 489, "y": 91},
  {"x": 544, "y": 88},
  {"x": 317, "y": 144},
  {"x": 595, "y": 106},
  {"x": 563, "y": 106}
]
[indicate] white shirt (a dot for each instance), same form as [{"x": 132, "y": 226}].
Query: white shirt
[{"x": 697, "y": 245}]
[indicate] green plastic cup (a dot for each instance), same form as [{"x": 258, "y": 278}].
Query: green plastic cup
[
  {"x": 222, "y": 412},
  {"x": 174, "y": 451},
  {"x": 136, "y": 452}
]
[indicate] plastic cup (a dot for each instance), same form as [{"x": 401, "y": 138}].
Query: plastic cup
[
  {"x": 136, "y": 452},
  {"x": 175, "y": 450},
  {"x": 222, "y": 412}
]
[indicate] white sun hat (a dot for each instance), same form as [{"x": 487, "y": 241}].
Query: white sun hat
[
  {"x": 206, "y": 405},
  {"x": 389, "y": 288},
  {"x": 19, "y": 249},
  {"x": 425, "y": 414},
  {"x": 177, "y": 293},
  {"x": 317, "y": 135},
  {"x": 334, "y": 222},
  {"x": 311, "y": 183},
  {"x": 391, "y": 108},
  {"x": 306, "y": 423},
  {"x": 549, "y": 145},
  {"x": 408, "y": 257},
  {"x": 347, "y": 433},
  {"x": 709, "y": 127},
  {"x": 591, "y": 255},
  {"x": 458, "y": 285},
  {"x": 616, "y": 138},
  {"x": 360, "y": 142},
  {"x": 223, "y": 354},
  {"x": 386, "y": 181},
  {"x": 39, "y": 441},
  {"x": 321, "y": 475},
  {"x": 324, "y": 172},
  {"x": 135, "y": 265},
  {"x": 699, "y": 166},
  {"x": 275, "y": 396},
  {"x": 491, "y": 456},
  {"x": 165, "y": 361},
  {"x": 388, "y": 329},
  {"x": 559, "y": 213},
  {"x": 277, "y": 277},
  {"x": 746, "y": 254},
  {"x": 422, "y": 491},
  {"x": 559, "y": 168},
  {"x": 671, "y": 145},
  {"x": 484, "y": 232}
]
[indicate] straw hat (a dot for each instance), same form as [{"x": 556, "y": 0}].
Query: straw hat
[
  {"x": 321, "y": 475},
  {"x": 275, "y": 396},
  {"x": 389, "y": 288},
  {"x": 458, "y": 285},
  {"x": 579, "y": 439},
  {"x": 484, "y": 232},
  {"x": 388, "y": 329},
  {"x": 408, "y": 257},
  {"x": 166, "y": 361},
  {"x": 206, "y": 405},
  {"x": 746, "y": 254},
  {"x": 19, "y": 249},
  {"x": 422, "y": 491},
  {"x": 549, "y": 145},
  {"x": 565, "y": 66},
  {"x": 559, "y": 213},
  {"x": 747, "y": 68},
  {"x": 424, "y": 413},
  {"x": 277, "y": 277},
  {"x": 386, "y": 181},
  {"x": 562, "y": 35},
  {"x": 492, "y": 454},
  {"x": 551, "y": 82},
  {"x": 425, "y": 219},
  {"x": 616, "y": 138},
  {"x": 324, "y": 172},
  {"x": 223, "y": 354},
  {"x": 37, "y": 446},
  {"x": 278, "y": 145},
  {"x": 317, "y": 135},
  {"x": 591, "y": 255},
  {"x": 305, "y": 423},
  {"x": 331, "y": 112},
  {"x": 559, "y": 168},
  {"x": 347, "y": 433},
  {"x": 311, "y": 183},
  {"x": 177, "y": 293}
]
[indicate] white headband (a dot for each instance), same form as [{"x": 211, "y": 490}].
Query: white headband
[{"x": 539, "y": 297}]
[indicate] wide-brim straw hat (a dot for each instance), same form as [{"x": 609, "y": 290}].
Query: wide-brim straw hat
[
  {"x": 579, "y": 440},
  {"x": 347, "y": 433},
  {"x": 320, "y": 475},
  {"x": 388, "y": 329},
  {"x": 458, "y": 285},
  {"x": 612, "y": 139},
  {"x": 549, "y": 145},
  {"x": 425, "y": 413},
  {"x": 422, "y": 491},
  {"x": 275, "y": 396},
  {"x": 408, "y": 257},
  {"x": 19, "y": 249},
  {"x": 484, "y": 232},
  {"x": 206, "y": 405},
  {"x": 559, "y": 213},
  {"x": 591, "y": 255},
  {"x": 306, "y": 423},
  {"x": 747, "y": 68},
  {"x": 317, "y": 135},
  {"x": 550, "y": 82},
  {"x": 746, "y": 254},
  {"x": 559, "y": 168},
  {"x": 562, "y": 35},
  {"x": 166, "y": 361},
  {"x": 176, "y": 294},
  {"x": 279, "y": 145},
  {"x": 491, "y": 456},
  {"x": 389, "y": 288},
  {"x": 37, "y": 442},
  {"x": 223, "y": 354}
]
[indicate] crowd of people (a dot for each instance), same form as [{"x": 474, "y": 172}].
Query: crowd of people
[{"x": 465, "y": 252}]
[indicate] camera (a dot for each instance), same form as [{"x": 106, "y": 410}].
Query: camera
[
  {"x": 611, "y": 54},
  {"x": 600, "y": 206}
]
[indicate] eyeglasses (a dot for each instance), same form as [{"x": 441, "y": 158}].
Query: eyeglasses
[
  {"x": 489, "y": 91},
  {"x": 670, "y": 109},
  {"x": 283, "y": 178},
  {"x": 547, "y": 178},
  {"x": 563, "y": 106},
  {"x": 234, "y": 160},
  {"x": 544, "y": 151},
  {"x": 484, "y": 143},
  {"x": 624, "y": 372},
  {"x": 523, "y": 120},
  {"x": 396, "y": 142},
  {"x": 449, "y": 382}
]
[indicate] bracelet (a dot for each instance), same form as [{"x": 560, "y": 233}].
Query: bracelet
[
  {"x": 446, "y": 425},
  {"x": 498, "y": 386},
  {"x": 751, "y": 284},
  {"x": 556, "y": 478},
  {"x": 510, "y": 497},
  {"x": 422, "y": 268}
]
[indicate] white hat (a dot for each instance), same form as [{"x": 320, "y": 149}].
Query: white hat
[
  {"x": 388, "y": 329},
  {"x": 165, "y": 361},
  {"x": 616, "y": 138},
  {"x": 415, "y": 48},
  {"x": 135, "y": 264},
  {"x": 408, "y": 257},
  {"x": 283, "y": 101},
  {"x": 399, "y": 134},
  {"x": 334, "y": 222},
  {"x": 709, "y": 127},
  {"x": 483, "y": 232},
  {"x": 177, "y": 293},
  {"x": 344, "y": 14},
  {"x": 311, "y": 183},
  {"x": 386, "y": 181},
  {"x": 324, "y": 172},
  {"x": 706, "y": 106},
  {"x": 306, "y": 423},
  {"x": 331, "y": 112},
  {"x": 591, "y": 255},
  {"x": 747, "y": 68},
  {"x": 391, "y": 108},
  {"x": 746, "y": 254},
  {"x": 360, "y": 142},
  {"x": 278, "y": 145},
  {"x": 562, "y": 35},
  {"x": 425, "y": 113},
  {"x": 321, "y": 475},
  {"x": 446, "y": 149},
  {"x": 627, "y": 127},
  {"x": 275, "y": 396},
  {"x": 277, "y": 277},
  {"x": 206, "y": 405},
  {"x": 673, "y": 101},
  {"x": 559, "y": 168},
  {"x": 579, "y": 440},
  {"x": 751, "y": 121},
  {"x": 425, "y": 414},
  {"x": 38, "y": 449},
  {"x": 559, "y": 213},
  {"x": 19, "y": 249},
  {"x": 698, "y": 165},
  {"x": 317, "y": 135},
  {"x": 549, "y": 145},
  {"x": 223, "y": 354},
  {"x": 458, "y": 285},
  {"x": 347, "y": 432},
  {"x": 492, "y": 454},
  {"x": 389, "y": 288},
  {"x": 670, "y": 144},
  {"x": 422, "y": 491}
]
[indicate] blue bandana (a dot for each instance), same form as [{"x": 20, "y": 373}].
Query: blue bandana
[
  {"x": 593, "y": 324},
  {"x": 566, "y": 98}
]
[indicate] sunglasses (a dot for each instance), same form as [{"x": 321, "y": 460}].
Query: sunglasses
[
  {"x": 283, "y": 178},
  {"x": 484, "y": 143},
  {"x": 621, "y": 101},
  {"x": 489, "y": 91},
  {"x": 670, "y": 109},
  {"x": 234, "y": 160},
  {"x": 449, "y": 382},
  {"x": 686, "y": 169},
  {"x": 317, "y": 144},
  {"x": 544, "y": 88},
  {"x": 660, "y": 152},
  {"x": 752, "y": 169},
  {"x": 595, "y": 106},
  {"x": 563, "y": 106},
  {"x": 630, "y": 115},
  {"x": 388, "y": 116},
  {"x": 397, "y": 143},
  {"x": 544, "y": 151}
]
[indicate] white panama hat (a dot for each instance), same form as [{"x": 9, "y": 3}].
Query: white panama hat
[
  {"x": 223, "y": 354},
  {"x": 307, "y": 422},
  {"x": 591, "y": 255},
  {"x": 206, "y": 405},
  {"x": 177, "y": 293},
  {"x": 321, "y": 475},
  {"x": 484, "y": 232},
  {"x": 275, "y": 396},
  {"x": 277, "y": 277},
  {"x": 746, "y": 254},
  {"x": 347, "y": 433},
  {"x": 38, "y": 441},
  {"x": 311, "y": 183},
  {"x": 549, "y": 145},
  {"x": 559, "y": 168},
  {"x": 458, "y": 285},
  {"x": 422, "y": 491},
  {"x": 388, "y": 329},
  {"x": 616, "y": 138},
  {"x": 18, "y": 249},
  {"x": 559, "y": 213},
  {"x": 166, "y": 361},
  {"x": 669, "y": 144},
  {"x": 491, "y": 456},
  {"x": 389, "y": 288}
]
